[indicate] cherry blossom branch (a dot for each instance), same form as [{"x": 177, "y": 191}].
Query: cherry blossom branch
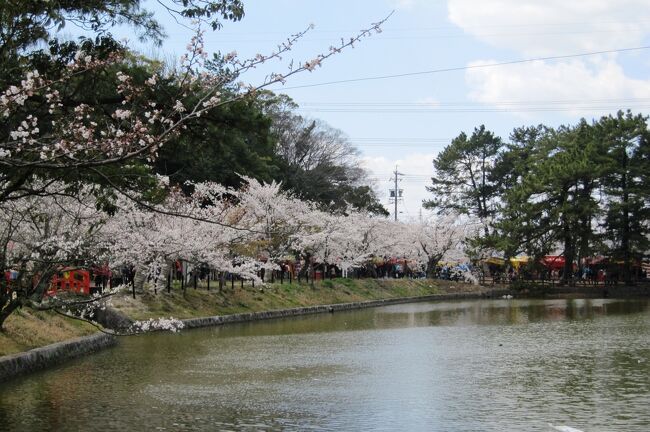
[
  {"x": 81, "y": 143},
  {"x": 156, "y": 209},
  {"x": 93, "y": 323},
  {"x": 137, "y": 328}
]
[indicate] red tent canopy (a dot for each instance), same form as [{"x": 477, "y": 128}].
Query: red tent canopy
[
  {"x": 553, "y": 262},
  {"x": 596, "y": 260}
]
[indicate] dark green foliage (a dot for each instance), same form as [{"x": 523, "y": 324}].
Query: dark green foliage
[
  {"x": 363, "y": 198},
  {"x": 626, "y": 141},
  {"x": 28, "y": 25},
  {"x": 550, "y": 202},
  {"x": 96, "y": 88},
  {"x": 330, "y": 186},
  {"x": 242, "y": 139},
  {"x": 583, "y": 190},
  {"x": 24, "y": 23},
  {"x": 231, "y": 141},
  {"x": 461, "y": 181},
  {"x": 238, "y": 138}
]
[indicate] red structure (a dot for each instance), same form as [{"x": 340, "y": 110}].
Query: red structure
[
  {"x": 10, "y": 277},
  {"x": 70, "y": 279},
  {"x": 553, "y": 262}
]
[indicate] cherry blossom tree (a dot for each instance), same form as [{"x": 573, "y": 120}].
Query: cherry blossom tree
[
  {"x": 39, "y": 235},
  {"x": 44, "y": 234},
  {"x": 365, "y": 237},
  {"x": 274, "y": 215},
  {"x": 439, "y": 237},
  {"x": 75, "y": 135},
  {"x": 51, "y": 137}
]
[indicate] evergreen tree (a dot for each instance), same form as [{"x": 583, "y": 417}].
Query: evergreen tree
[
  {"x": 462, "y": 181},
  {"x": 627, "y": 187},
  {"x": 549, "y": 199},
  {"x": 512, "y": 232},
  {"x": 228, "y": 142}
]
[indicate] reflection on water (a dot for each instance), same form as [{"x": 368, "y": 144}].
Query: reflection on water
[{"x": 459, "y": 366}]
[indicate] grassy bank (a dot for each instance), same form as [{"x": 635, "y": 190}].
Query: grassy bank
[
  {"x": 200, "y": 303},
  {"x": 26, "y": 329}
]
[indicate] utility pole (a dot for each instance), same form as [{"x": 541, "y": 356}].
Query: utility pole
[{"x": 396, "y": 194}]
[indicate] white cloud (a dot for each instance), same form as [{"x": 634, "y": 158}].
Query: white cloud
[
  {"x": 542, "y": 28},
  {"x": 588, "y": 85},
  {"x": 535, "y": 28}
]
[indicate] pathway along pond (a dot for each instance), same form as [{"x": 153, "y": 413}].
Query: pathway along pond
[{"x": 492, "y": 365}]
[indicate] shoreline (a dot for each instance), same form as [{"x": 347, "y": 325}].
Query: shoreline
[
  {"x": 217, "y": 320},
  {"x": 19, "y": 364}
]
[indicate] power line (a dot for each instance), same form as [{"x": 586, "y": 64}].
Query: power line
[
  {"x": 399, "y": 140},
  {"x": 458, "y": 35},
  {"x": 382, "y": 178},
  {"x": 478, "y": 109},
  {"x": 466, "y": 106},
  {"x": 392, "y": 138},
  {"x": 389, "y": 29},
  {"x": 452, "y": 69},
  {"x": 453, "y": 107},
  {"x": 404, "y": 145},
  {"x": 422, "y": 180},
  {"x": 486, "y": 110},
  {"x": 469, "y": 103}
]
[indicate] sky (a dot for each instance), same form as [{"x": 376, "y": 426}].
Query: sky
[{"x": 405, "y": 121}]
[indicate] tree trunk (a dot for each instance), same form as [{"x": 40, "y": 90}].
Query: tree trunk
[
  {"x": 567, "y": 239},
  {"x": 586, "y": 234},
  {"x": 161, "y": 280},
  {"x": 625, "y": 234},
  {"x": 568, "y": 257},
  {"x": 311, "y": 271},
  {"x": 431, "y": 267},
  {"x": 139, "y": 279},
  {"x": 8, "y": 310},
  {"x": 371, "y": 271}
]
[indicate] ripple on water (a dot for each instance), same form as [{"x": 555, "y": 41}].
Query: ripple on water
[{"x": 461, "y": 366}]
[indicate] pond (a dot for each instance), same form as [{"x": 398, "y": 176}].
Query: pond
[{"x": 485, "y": 365}]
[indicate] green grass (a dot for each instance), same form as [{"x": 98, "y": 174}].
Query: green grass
[
  {"x": 199, "y": 302},
  {"x": 26, "y": 329}
]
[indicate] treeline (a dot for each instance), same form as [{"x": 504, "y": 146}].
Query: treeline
[
  {"x": 93, "y": 132},
  {"x": 252, "y": 133},
  {"x": 262, "y": 137},
  {"x": 582, "y": 190}
]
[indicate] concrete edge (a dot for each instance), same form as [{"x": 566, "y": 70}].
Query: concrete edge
[
  {"x": 614, "y": 292},
  {"x": 13, "y": 365},
  {"x": 282, "y": 313},
  {"x": 17, "y": 364}
]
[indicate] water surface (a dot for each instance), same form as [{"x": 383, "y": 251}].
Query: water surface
[{"x": 492, "y": 365}]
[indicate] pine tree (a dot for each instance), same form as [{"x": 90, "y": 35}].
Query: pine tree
[
  {"x": 461, "y": 182},
  {"x": 549, "y": 198},
  {"x": 626, "y": 186}
]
